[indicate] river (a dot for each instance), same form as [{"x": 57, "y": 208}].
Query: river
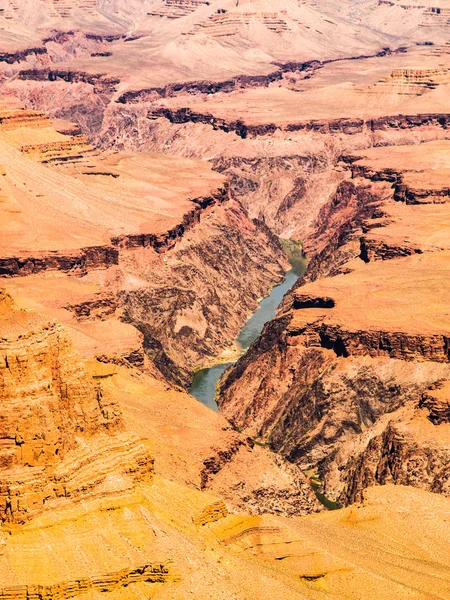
[{"x": 204, "y": 383}]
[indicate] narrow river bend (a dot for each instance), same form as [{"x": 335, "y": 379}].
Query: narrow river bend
[{"x": 204, "y": 383}]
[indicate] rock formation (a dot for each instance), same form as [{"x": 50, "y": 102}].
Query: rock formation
[
  {"x": 150, "y": 261},
  {"x": 61, "y": 436},
  {"x": 151, "y": 153},
  {"x": 342, "y": 381}
]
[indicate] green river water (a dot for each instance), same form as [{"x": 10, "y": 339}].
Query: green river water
[{"x": 205, "y": 381}]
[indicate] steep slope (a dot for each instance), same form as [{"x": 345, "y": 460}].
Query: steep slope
[
  {"x": 148, "y": 151},
  {"x": 105, "y": 523},
  {"x": 62, "y": 439},
  {"x": 167, "y": 285},
  {"x": 156, "y": 242},
  {"x": 342, "y": 380},
  {"x": 263, "y": 102}
]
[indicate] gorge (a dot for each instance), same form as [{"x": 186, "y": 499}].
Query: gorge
[
  {"x": 204, "y": 383},
  {"x": 224, "y": 273}
]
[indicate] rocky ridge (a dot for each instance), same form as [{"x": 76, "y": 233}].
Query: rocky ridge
[
  {"x": 151, "y": 257},
  {"x": 359, "y": 346},
  {"x": 143, "y": 265}
]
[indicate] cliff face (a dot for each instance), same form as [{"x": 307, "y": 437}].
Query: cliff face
[
  {"x": 213, "y": 87},
  {"x": 285, "y": 191},
  {"x": 334, "y": 237},
  {"x": 77, "y": 261},
  {"x": 407, "y": 449},
  {"x": 318, "y": 401},
  {"x": 349, "y": 379},
  {"x": 41, "y": 366},
  {"x": 134, "y": 251},
  {"x": 344, "y": 126},
  {"x": 60, "y": 434},
  {"x": 203, "y": 290}
]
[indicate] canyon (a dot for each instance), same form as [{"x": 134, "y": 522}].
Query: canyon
[
  {"x": 160, "y": 163},
  {"x": 360, "y": 350}
]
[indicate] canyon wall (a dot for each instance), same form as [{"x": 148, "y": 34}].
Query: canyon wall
[
  {"x": 62, "y": 438},
  {"x": 350, "y": 378},
  {"x": 164, "y": 146},
  {"x": 185, "y": 265},
  {"x": 207, "y": 286}
]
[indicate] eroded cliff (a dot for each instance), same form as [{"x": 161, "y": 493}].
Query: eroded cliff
[
  {"x": 62, "y": 438},
  {"x": 341, "y": 381},
  {"x": 144, "y": 261},
  {"x": 184, "y": 264},
  {"x": 136, "y": 529}
]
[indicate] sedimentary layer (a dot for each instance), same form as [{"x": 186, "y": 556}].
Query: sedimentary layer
[
  {"x": 61, "y": 436},
  {"x": 341, "y": 381},
  {"x": 142, "y": 246}
]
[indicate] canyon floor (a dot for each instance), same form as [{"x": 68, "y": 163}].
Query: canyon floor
[{"x": 155, "y": 156}]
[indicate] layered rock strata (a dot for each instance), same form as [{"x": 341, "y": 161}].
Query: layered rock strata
[
  {"x": 336, "y": 126},
  {"x": 229, "y": 262},
  {"x": 184, "y": 265},
  {"x": 61, "y": 436},
  {"x": 109, "y": 582},
  {"x": 342, "y": 380}
]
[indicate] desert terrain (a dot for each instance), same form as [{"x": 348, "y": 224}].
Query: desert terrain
[{"x": 162, "y": 163}]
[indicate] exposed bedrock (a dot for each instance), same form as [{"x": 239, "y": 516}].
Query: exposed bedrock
[
  {"x": 409, "y": 446},
  {"x": 321, "y": 405},
  {"x": 335, "y": 126},
  {"x": 192, "y": 306},
  {"x": 100, "y": 82},
  {"x": 77, "y": 261},
  {"x": 77, "y": 96},
  {"x": 21, "y": 55},
  {"x": 59, "y": 46},
  {"x": 285, "y": 188},
  {"x": 402, "y": 190},
  {"x": 285, "y": 191},
  {"x": 61, "y": 435},
  {"x": 213, "y": 87},
  {"x": 106, "y": 582},
  {"x": 350, "y": 378},
  {"x": 306, "y": 69},
  {"x": 334, "y": 237},
  {"x": 81, "y": 261}
]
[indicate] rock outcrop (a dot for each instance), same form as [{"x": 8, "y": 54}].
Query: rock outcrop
[
  {"x": 108, "y": 582},
  {"x": 137, "y": 236},
  {"x": 102, "y": 84},
  {"x": 184, "y": 267},
  {"x": 348, "y": 378},
  {"x": 193, "y": 315},
  {"x": 21, "y": 55},
  {"x": 61, "y": 435},
  {"x": 336, "y": 126},
  {"x": 214, "y": 87}
]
